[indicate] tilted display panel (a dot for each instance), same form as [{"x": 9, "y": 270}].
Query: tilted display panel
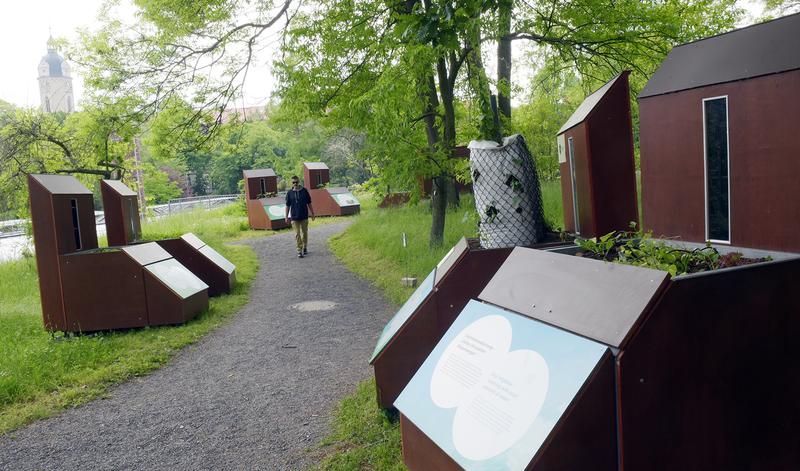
[{"x": 496, "y": 386}]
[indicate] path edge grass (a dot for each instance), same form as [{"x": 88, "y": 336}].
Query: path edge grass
[{"x": 144, "y": 350}]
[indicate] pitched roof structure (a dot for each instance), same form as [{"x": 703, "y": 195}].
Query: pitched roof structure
[
  {"x": 588, "y": 104},
  {"x": 762, "y": 49},
  {"x": 121, "y": 188},
  {"x": 257, "y": 173},
  {"x": 62, "y": 184},
  {"x": 315, "y": 165}
]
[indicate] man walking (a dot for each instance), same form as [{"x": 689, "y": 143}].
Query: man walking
[{"x": 298, "y": 206}]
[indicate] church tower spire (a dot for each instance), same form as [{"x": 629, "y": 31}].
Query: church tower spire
[{"x": 55, "y": 81}]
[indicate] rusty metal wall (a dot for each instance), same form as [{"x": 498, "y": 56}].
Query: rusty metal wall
[
  {"x": 324, "y": 204},
  {"x": 613, "y": 169},
  {"x": 763, "y": 123},
  {"x": 708, "y": 382},
  {"x": 256, "y": 215},
  {"x": 253, "y": 186},
  {"x": 314, "y": 178},
  {"x": 122, "y": 226},
  {"x": 164, "y": 307},
  {"x": 53, "y": 235},
  {"x": 47, "y": 260},
  {"x": 102, "y": 291}
]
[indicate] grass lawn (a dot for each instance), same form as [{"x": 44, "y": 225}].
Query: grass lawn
[
  {"x": 41, "y": 374},
  {"x": 363, "y": 436}
]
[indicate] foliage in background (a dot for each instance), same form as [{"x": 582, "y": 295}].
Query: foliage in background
[
  {"x": 41, "y": 374},
  {"x": 87, "y": 144}
]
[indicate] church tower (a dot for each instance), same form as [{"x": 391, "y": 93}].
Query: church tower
[{"x": 55, "y": 82}]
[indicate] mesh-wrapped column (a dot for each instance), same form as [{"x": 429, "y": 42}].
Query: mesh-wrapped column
[{"x": 507, "y": 194}]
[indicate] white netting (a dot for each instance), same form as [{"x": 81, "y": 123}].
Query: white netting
[{"x": 507, "y": 194}]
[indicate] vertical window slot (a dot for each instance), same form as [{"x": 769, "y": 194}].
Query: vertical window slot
[
  {"x": 717, "y": 168},
  {"x": 76, "y": 227},
  {"x": 263, "y": 186}
]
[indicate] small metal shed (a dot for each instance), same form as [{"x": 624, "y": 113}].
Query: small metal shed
[
  {"x": 315, "y": 175},
  {"x": 121, "y": 209},
  {"x": 62, "y": 213},
  {"x": 595, "y": 155},
  {"x": 719, "y": 122},
  {"x": 260, "y": 185}
]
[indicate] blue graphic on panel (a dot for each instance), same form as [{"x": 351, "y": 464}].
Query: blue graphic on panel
[
  {"x": 495, "y": 386},
  {"x": 400, "y": 318}
]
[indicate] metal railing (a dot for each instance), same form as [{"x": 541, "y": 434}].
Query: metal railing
[
  {"x": 193, "y": 202},
  {"x": 12, "y": 228}
]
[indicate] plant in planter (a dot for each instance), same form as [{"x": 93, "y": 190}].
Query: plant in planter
[{"x": 641, "y": 249}]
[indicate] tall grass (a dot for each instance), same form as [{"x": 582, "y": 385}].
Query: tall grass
[{"x": 41, "y": 373}]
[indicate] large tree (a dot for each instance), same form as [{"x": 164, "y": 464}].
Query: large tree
[
  {"x": 394, "y": 71},
  {"x": 89, "y": 144},
  {"x": 415, "y": 53}
]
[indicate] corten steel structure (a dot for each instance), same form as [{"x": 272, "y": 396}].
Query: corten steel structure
[
  {"x": 174, "y": 294},
  {"x": 315, "y": 175},
  {"x": 327, "y": 201},
  {"x": 275, "y": 212},
  {"x": 62, "y": 213},
  {"x": 85, "y": 288},
  {"x": 206, "y": 263},
  {"x": 459, "y": 277},
  {"x": 121, "y": 209},
  {"x": 598, "y": 175},
  {"x": 259, "y": 185},
  {"x": 719, "y": 140},
  {"x": 696, "y": 375}
]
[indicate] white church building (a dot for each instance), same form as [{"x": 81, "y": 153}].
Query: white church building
[{"x": 55, "y": 82}]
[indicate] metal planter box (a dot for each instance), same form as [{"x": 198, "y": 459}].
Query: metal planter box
[
  {"x": 696, "y": 371},
  {"x": 419, "y": 325},
  {"x": 206, "y": 263}
]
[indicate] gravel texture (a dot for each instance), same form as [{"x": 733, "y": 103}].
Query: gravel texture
[{"x": 257, "y": 393}]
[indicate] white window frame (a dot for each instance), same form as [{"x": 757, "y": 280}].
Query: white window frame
[
  {"x": 705, "y": 168},
  {"x": 573, "y": 177}
]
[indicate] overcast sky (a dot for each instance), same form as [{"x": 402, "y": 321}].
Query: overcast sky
[{"x": 25, "y": 26}]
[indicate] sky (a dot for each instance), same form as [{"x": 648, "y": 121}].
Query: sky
[{"x": 25, "y": 26}]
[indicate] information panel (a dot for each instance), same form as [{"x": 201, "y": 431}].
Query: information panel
[
  {"x": 345, "y": 199},
  {"x": 400, "y": 318},
  {"x": 275, "y": 212},
  {"x": 177, "y": 277},
  {"x": 218, "y": 259},
  {"x": 496, "y": 385}
]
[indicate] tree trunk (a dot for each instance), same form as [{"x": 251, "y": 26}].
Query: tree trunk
[
  {"x": 428, "y": 94},
  {"x": 438, "y": 209},
  {"x": 479, "y": 82},
  {"x": 504, "y": 59},
  {"x": 453, "y": 198}
]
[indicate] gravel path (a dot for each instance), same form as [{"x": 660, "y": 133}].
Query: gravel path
[{"x": 254, "y": 394}]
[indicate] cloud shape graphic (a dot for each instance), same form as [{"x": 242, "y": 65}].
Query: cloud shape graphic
[{"x": 497, "y": 394}]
